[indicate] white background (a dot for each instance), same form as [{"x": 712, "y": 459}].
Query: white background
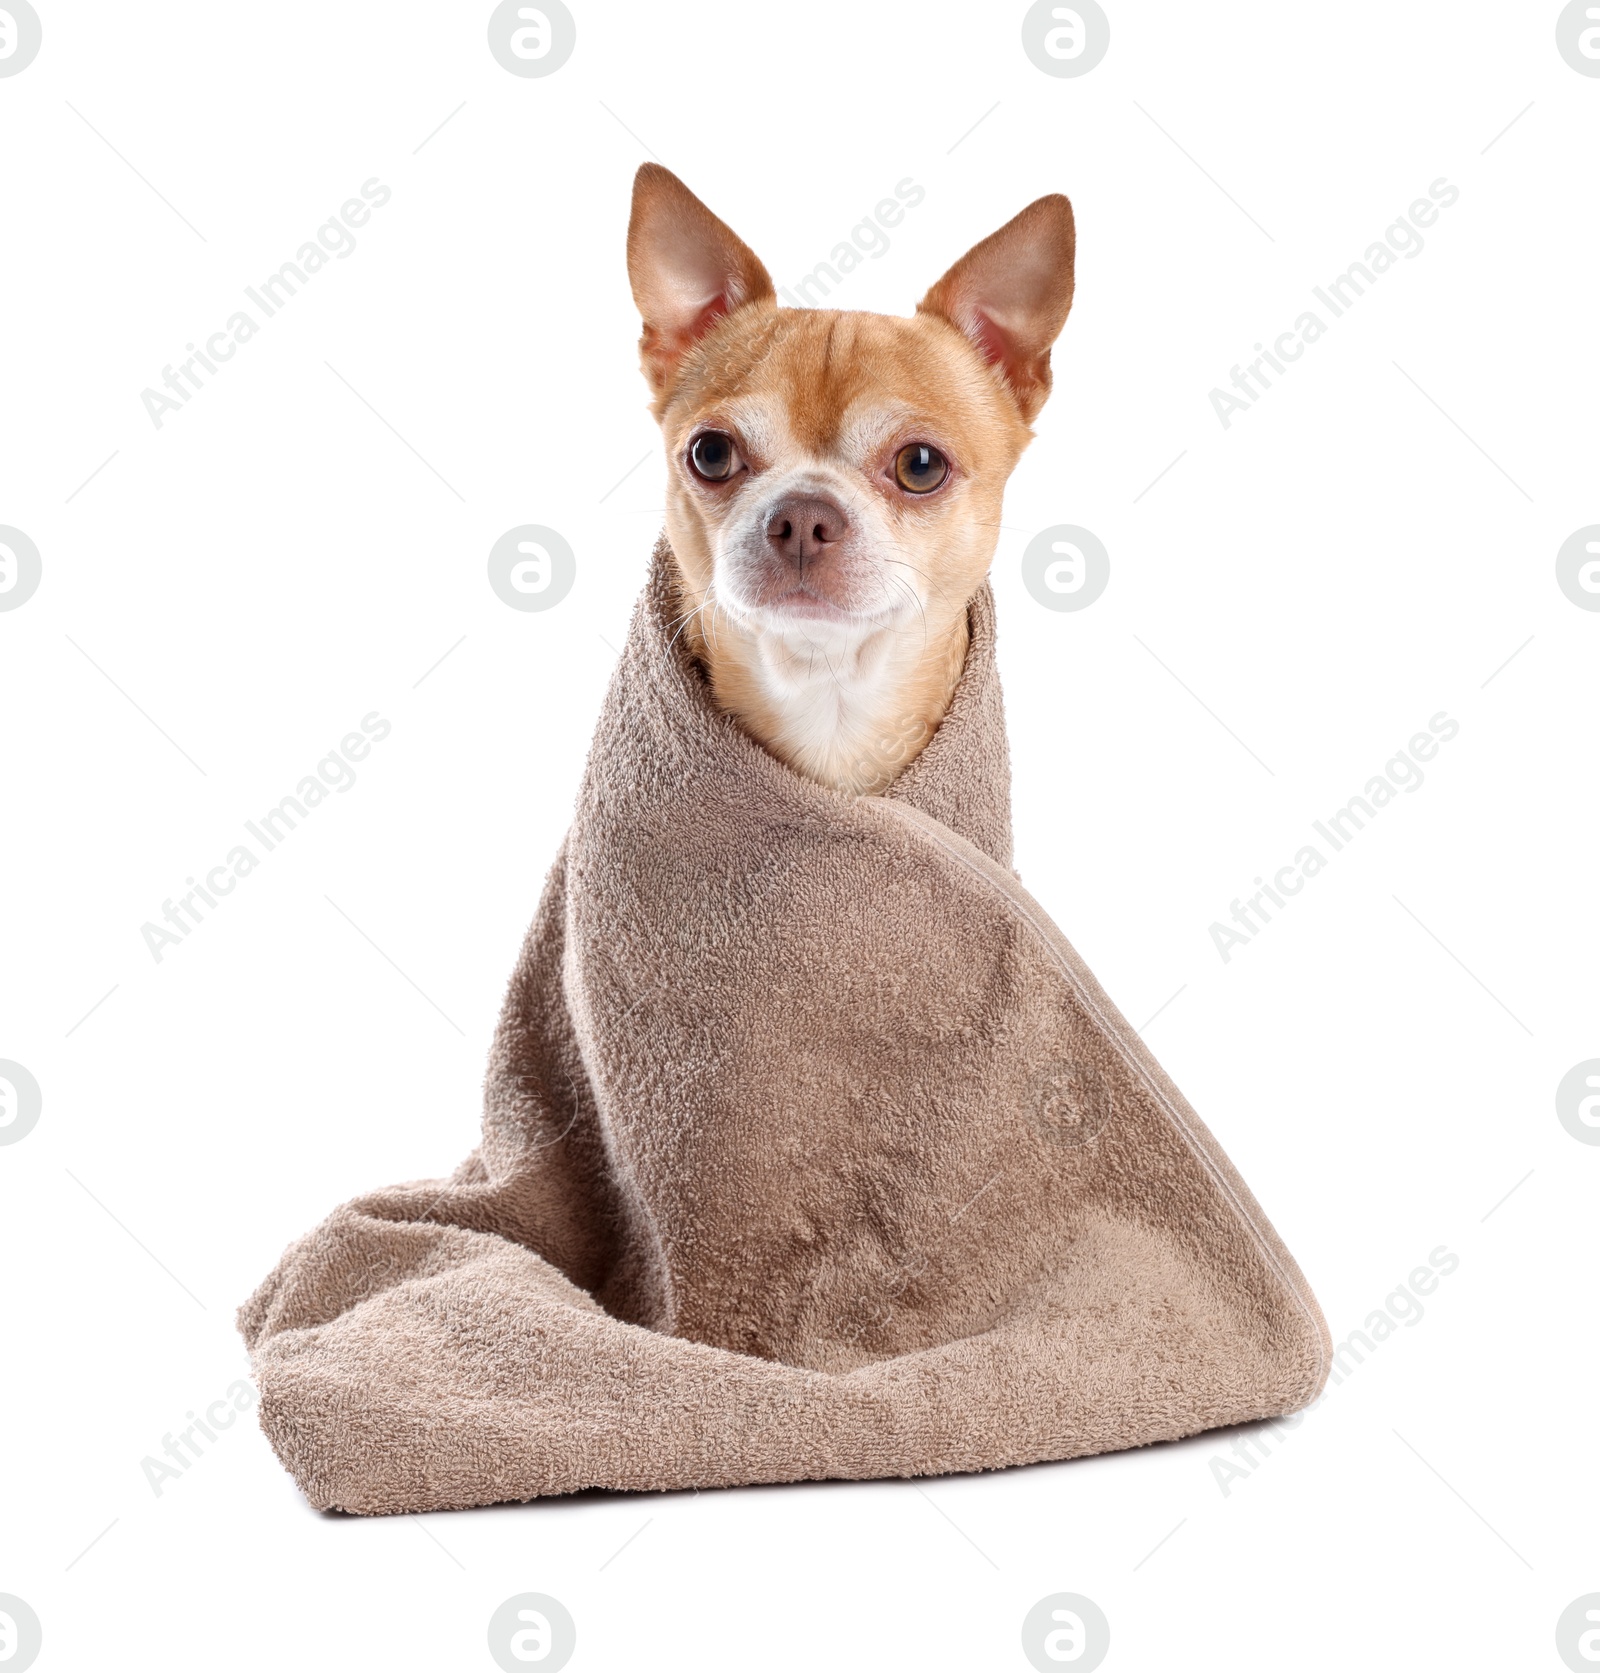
[{"x": 274, "y": 563}]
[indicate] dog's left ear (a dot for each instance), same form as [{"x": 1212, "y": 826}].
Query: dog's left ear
[
  {"x": 687, "y": 270},
  {"x": 1010, "y": 295}
]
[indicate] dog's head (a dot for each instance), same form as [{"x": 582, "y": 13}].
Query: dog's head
[{"x": 831, "y": 474}]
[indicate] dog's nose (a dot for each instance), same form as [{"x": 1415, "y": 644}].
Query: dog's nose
[{"x": 802, "y": 525}]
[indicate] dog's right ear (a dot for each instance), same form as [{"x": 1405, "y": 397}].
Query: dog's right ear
[{"x": 687, "y": 270}]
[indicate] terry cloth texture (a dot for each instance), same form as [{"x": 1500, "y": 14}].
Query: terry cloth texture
[{"x": 810, "y": 1149}]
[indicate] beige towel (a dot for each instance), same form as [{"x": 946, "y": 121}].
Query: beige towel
[{"x": 810, "y": 1149}]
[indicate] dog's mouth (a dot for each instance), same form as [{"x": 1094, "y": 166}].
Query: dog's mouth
[
  {"x": 802, "y": 604},
  {"x": 776, "y": 602},
  {"x": 799, "y": 609}
]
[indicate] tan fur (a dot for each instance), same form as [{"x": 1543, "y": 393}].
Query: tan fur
[{"x": 821, "y": 402}]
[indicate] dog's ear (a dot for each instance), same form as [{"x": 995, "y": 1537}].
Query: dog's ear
[
  {"x": 1010, "y": 294},
  {"x": 687, "y": 270}
]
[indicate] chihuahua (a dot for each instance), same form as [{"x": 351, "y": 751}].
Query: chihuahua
[{"x": 835, "y": 479}]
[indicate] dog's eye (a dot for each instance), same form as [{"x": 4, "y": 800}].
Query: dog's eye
[
  {"x": 713, "y": 456},
  {"x": 919, "y": 469}
]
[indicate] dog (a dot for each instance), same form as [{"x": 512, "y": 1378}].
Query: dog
[{"x": 835, "y": 478}]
